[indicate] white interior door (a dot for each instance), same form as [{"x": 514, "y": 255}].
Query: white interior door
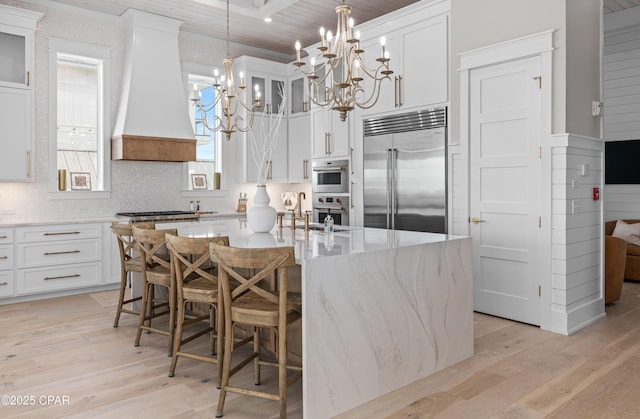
[{"x": 505, "y": 136}]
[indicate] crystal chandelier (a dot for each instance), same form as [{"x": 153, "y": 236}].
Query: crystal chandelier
[
  {"x": 338, "y": 82},
  {"x": 228, "y": 97}
]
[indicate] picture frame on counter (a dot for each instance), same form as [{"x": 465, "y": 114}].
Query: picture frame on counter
[
  {"x": 199, "y": 181},
  {"x": 80, "y": 181}
]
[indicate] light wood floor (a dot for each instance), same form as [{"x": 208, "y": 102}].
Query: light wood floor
[{"x": 67, "y": 347}]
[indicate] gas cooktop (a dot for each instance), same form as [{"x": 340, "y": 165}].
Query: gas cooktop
[
  {"x": 153, "y": 213},
  {"x": 158, "y": 215}
]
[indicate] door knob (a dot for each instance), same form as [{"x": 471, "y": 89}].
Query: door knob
[{"x": 476, "y": 220}]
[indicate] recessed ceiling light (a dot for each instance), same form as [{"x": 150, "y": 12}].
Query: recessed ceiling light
[{"x": 267, "y": 19}]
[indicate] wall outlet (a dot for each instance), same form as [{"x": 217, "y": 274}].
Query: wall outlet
[{"x": 9, "y": 211}]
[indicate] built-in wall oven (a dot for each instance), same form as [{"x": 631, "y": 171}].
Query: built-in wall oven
[
  {"x": 330, "y": 176},
  {"x": 336, "y": 205}
]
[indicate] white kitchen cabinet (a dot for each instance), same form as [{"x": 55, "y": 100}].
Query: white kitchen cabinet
[
  {"x": 16, "y": 139},
  {"x": 272, "y": 90},
  {"x": 271, "y": 78},
  {"x": 277, "y": 166},
  {"x": 418, "y": 48},
  {"x": 57, "y": 257},
  {"x": 6, "y": 284},
  {"x": 300, "y": 148},
  {"x": 298, "y": 95},
  {"x": 356, "y": 211},
  {"x": 17, "y": 27},
  {"x": 6, "y": 263},
  {"x": 330, "y": 135}
]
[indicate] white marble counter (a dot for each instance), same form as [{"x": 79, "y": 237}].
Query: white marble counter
[
  {"x": 381, "y": 308},
  {"x": 57, "y": 221},
  {"x": 310, "y": 244}
]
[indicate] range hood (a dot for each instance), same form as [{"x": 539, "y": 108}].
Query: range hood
[{"x": 153, "y": 120}]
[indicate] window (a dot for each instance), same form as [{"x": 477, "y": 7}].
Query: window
[
  {"x": 79, "y": 139},
  {"x": 208, "y": 144}
]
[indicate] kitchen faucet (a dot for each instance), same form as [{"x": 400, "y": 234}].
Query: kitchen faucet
[
  {"x": 296, "y": 213},
  {"x": 301, "y": 196}
]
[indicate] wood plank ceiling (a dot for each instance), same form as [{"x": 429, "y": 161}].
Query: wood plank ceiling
[
  {"x": 291, "y": 19},
  {"x": 610, "y": 6}
]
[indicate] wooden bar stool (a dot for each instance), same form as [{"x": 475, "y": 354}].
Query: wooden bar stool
[
  {"x": 249, "y": 304},
  {"x": 157, "y": 271},
  {"x": 195, "y": 283},
  {"x": 130, "y": 261}
]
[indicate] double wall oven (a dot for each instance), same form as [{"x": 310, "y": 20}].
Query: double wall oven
[{"x": 330, "y": 187}]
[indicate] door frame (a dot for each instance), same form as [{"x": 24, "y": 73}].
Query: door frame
[{"x": 541, "y": 45}]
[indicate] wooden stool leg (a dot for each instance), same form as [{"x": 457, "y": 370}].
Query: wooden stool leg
[
  {"x": 172, "y": 318},
  {"x": 282, "y": 370},
  {"x": 177, "y": 339},
  {"x": 226, "y": 366},
  {"x": 212, "y": 333},
  {"x": 123, "y": 285},
  {"x": 143, "y": 311},
  {"x": 220, "y": 334},
  {"x": 256, "y": 360}
]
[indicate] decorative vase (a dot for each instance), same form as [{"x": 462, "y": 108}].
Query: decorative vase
[{"x": 261, "y": 217}]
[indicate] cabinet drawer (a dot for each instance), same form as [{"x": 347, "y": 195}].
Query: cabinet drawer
[
  {"x": 6, "y": 284},
  {"x": 37, "y": 280},
  {"x": 57, "y": 233},
  {"x": 6, "y": 236},
  {"x": 6, "y": 257},
  {"x": 58, "y": 253}
]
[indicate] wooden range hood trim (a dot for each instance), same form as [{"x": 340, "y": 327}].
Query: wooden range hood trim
[{"x": 143, "y": 148}]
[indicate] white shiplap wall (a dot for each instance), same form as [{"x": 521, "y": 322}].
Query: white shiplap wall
[
  {"x": 458, "y": 193},
  {"x": 576, "y": 229},
  {"x": 621, "y": 74}
]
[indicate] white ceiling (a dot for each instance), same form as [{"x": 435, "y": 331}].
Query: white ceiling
[{"x": 292, "y": 19}]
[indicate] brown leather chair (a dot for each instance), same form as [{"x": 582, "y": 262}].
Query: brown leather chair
[
  {"x": 632, "y": 263},
  {"x": 615, "y": 256}
]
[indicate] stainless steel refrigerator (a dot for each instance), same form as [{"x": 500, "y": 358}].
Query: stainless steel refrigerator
[{"x": 405, "y": 171}]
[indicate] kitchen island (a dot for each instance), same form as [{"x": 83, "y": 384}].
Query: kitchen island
[{"x": 381, "y": 308}]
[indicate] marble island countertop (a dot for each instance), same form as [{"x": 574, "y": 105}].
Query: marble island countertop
[{"x": 309, "y": 244}]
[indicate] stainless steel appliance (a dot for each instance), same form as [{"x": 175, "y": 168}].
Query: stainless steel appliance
[
  {"x": 405, "y": 171},
  {"x": 330, "y": 176},
  {"x": 337, "y": 205},
  {"x": 158, "y": 216}
]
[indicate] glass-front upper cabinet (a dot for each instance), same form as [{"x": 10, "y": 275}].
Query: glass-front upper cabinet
[
  {"x": 12, "y": 58},
  {"x": 270, "y": 91},
  {"x": 17, "y": 28}
]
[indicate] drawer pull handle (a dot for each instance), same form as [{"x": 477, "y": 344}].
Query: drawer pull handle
[
  {"x": 61, "y": 253},
  {"x": 61, "y": 277},
  {"x": 4, "y": 257},
  {"x": 4, "y": 283},
  {"x": 59, "y": 234},
  {"x": 3, "y": 237}
]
